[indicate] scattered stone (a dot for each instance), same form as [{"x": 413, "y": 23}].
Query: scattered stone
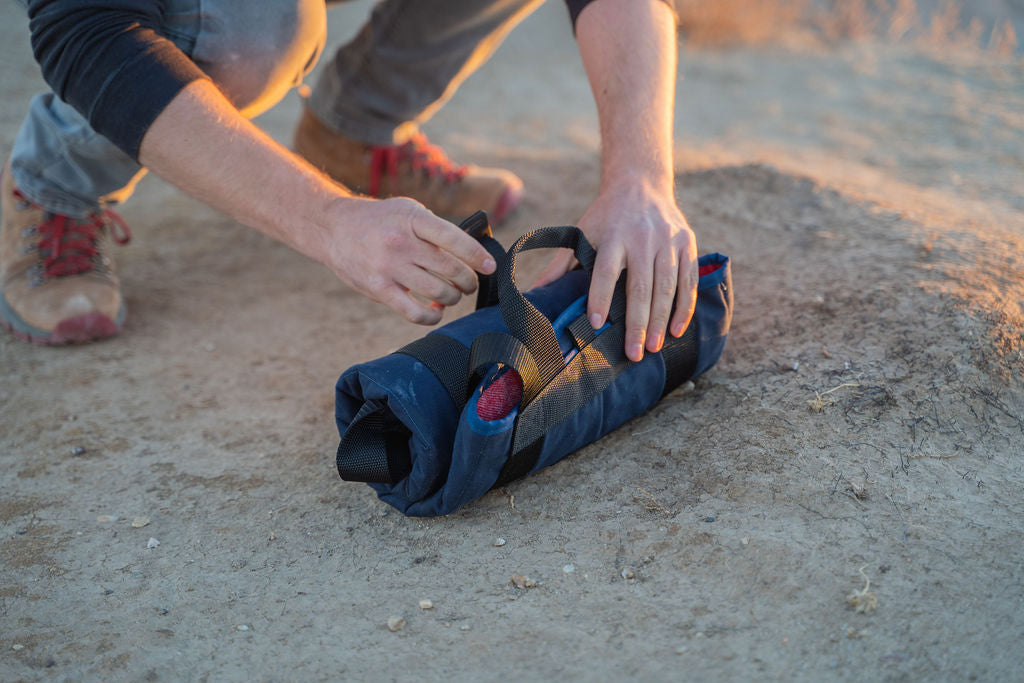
[
  {"x": 698, "y": 634},
  {"x": 680, "y": 650},
  {"x": 17, "y": 646},
  {"x": 152, "y": 543},
  {"x": 426, "y": 604},
  {"x": 140, "y": 522},
  {"x": 568, "y": 569},
  {"x": 745, "y": 540},
  {"x": 21, "y": 532},
  {"x": 709, "y": 518},
  {"x": 106, "y": 519},
  {"x": 498, "y": 542},
  {"x": 464, "y": 627},
  {"x": 795, "y": 366},
  {"x": 242, "y": 627},
  {"x": 687, "y": 386},
  {"x": 628, "y": 574},
  {"x": 523, "y": 581},
  {"x": 396, "y": 624},
  {"x": 78, "y": 450},
  {"x": 109, "y": 591}
]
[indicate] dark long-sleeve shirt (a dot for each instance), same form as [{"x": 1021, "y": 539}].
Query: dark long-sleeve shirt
[{"x": 108, "y": 60}]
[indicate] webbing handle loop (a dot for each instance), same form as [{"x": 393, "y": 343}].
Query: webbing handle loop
[{"x": 523, "y": 319}]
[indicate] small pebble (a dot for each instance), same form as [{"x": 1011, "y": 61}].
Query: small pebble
[
  {"x": 627, "y": 573},
  {"x": 745, "y": 540},
  {"x": 568, "y": 569},
  {"x": 152, "y": 543},
  {"x": 104, "y": 519},
  {"x": 109, "y": 591},
  {"x": 426, "y": 604},
  {"x": 680, "y": 650},
  {"x": 242, "y": 627},
  {"x": 523, "y": 581},
  {"x": 498, "y": 542},
  {"x": 21, "y": 532},
  {"x": 78, "y": 450},
  {"x": 17, "y": 646},
  {"x": 795, "y": 366},
  {"x": 396, "y": 624},
  {"x": 140, "y": 522},
  {"x": 709, "y": 518},
  {"x": 464, "y": 627},
  {"x": 687, "y": 386}
]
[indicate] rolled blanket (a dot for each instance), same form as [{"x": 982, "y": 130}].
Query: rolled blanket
[{"x": 515, "y": 386}]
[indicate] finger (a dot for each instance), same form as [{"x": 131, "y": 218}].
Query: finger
[
  {"x": 686, "y": 296},
  {"x": 561, "y": 264},
  {"x": 607, "y": 267},
  {"x": 429, "y": 286},
  {"x": 411, "y": 309},
  {"x": 443, "y": 264},
  {"x": 666, "y": 275},
  {"x": 457, "y": 243},
  {"x": 639, "y": 276}
]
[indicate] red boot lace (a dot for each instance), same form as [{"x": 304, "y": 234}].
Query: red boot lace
[
  {"x": 420, "y": 154},
  {"x": 69, "y": 246}
]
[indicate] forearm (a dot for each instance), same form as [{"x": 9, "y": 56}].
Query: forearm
[
  {"x": 629, "y": 52},
  {"x": 202, "y": 145}
]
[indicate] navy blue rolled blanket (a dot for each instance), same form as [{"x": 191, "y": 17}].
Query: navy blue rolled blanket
[{"x": 514, "y": 387}]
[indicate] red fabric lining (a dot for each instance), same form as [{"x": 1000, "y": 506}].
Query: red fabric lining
[
  {"x": 498, "y": 400},
  {"x": 709, "y": 268}
]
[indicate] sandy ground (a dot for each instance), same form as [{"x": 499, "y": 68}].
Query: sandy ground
[{"x": 868, "y": 414}]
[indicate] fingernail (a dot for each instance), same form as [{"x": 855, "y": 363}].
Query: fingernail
[
  {"x": 659, "y": 339},
  {"x": 595, "y": 320},
  {"x": 677, "y": 330},
  {"x": 489, "y": 265},
  {"x": 636, "y": 352}
]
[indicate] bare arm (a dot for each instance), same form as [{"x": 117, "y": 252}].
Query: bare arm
[
  {"x": 629, "y": 52},
  {"x": 384, "y": 249}
]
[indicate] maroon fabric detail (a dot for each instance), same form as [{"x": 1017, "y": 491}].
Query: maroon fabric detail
[
  {"x": 709, "y": 268},
  {"x": 501, "y": 397}
]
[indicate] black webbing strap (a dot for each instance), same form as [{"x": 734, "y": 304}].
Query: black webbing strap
[
  {"x": 372, "y": 450},
  {"x": 447, "y": 359},
  {"x": 478, "y": 227},
  {"x": 520, "y": 464},
  {"x": 680, "y": 356},
  {"x": 521, "y": 317},
  {"x": 497, "y": 347}
]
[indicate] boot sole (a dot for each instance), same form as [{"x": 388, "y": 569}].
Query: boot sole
[{"x": 78, "y": 330}]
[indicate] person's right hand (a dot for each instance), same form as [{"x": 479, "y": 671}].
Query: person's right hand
[{"x": 398, "y": 253}]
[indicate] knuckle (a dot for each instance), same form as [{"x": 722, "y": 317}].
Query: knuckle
[{"x": 639, "y": 288}]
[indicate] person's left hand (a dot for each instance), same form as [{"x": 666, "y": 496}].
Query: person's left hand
[{"x": 642, "y": 230}]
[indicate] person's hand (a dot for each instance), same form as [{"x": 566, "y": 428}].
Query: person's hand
[
  {"x": 398, "y": 253},
  {"x": 642, "y": 230}
]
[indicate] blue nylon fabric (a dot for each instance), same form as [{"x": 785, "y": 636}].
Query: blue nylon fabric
[{"x": 456, "y": 459}]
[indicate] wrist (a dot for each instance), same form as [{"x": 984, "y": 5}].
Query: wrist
[{"x": 638, "y": 181}]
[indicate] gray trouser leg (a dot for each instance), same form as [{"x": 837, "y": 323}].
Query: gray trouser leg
[
  {"x": 407, "y": 61},
  {"x": 253, "y": 51}
]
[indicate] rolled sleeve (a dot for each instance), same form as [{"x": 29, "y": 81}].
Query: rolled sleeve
[{"x": 109, "y": 62}]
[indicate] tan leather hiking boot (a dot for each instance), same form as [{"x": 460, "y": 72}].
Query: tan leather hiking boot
[
  {"x": 57, "y": 283},
  {"x": 415, "y": 169}
]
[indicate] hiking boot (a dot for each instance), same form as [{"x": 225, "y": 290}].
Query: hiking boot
[
  {"x": 415, "y": 169},
  {"x": 57, "y": 283}
]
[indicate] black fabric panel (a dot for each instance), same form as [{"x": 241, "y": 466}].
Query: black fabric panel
[
  {"x": 520, "y": 464},
  {"x": 680, "y": 356},
  {"x": 447, "y": 359},
  {"x": 372, "y": 450}
]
